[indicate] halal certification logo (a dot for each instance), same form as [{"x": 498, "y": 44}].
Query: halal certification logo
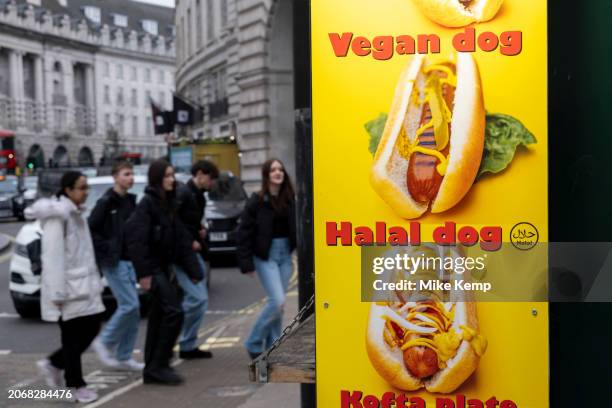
[{"x": 524, "y": 236}]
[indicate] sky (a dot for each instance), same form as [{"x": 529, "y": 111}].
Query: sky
[{"x": 168, "y": 3}]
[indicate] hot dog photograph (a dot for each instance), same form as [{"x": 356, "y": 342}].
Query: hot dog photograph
[
  {"x": 425, "y": 339},
  {"x": 437, "y": 138},
  {"x": 458, "y": 13}
]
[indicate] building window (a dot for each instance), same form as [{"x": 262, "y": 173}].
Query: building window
[
  {"x": 148, "y": 75},
  {"x": 134, "y": 97},
  {"x": 183, "y": 40},
  {"x": 198, "y": 24},
  {"x": 224, "y": 16},
  {"x": 120, "y": 121},
  {"x": 79, "y": 87},
  {"x": 217, "y": 82},
  {"x": 120, "y": 96},
  {"x": 93, "y": 14},
  {"x": 107, "y": 122},
  {"x": 28, "y": 77},
  {"x": 148, "y": 125},
  {"x": 134, "y": 126},
  {"x": 106, "y": 94},
  {"x": 147, "y": 97},
  {"x": 119, "y": 71},
  {"x": 106, "y": 70},
  {"x": 150, "y": 26},
  {"x": 120, "y": 20},
  {"x": 210, "y": 20},
  {"x": 189, "y": 24},
  {"x": 134, "y": 74},
  {"x": 4, "y": 72},
  {"x": 162, "y": 76},
  {"x": 162, "y": 99},
  {"x": 172, "y": 30}
]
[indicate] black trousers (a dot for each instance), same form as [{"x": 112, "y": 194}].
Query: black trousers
[
  {"x": 77, "y": 334},
  {"x": 165, "y": 322}
]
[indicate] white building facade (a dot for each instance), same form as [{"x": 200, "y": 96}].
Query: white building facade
[
  {"x": 75, "y": 80},
  {"x": 235, "y": 58}
]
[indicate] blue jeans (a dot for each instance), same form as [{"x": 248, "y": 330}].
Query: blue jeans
[
  {"x": 195, "y": 304},
  {"x": 122, "y": 328},
  {"x": 274, "y": 275}
]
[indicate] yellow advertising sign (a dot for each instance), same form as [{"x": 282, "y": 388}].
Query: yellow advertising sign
[{"x": 430, "y": 142}]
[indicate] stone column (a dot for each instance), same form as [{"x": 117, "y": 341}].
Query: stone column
[
  {"x": 16, "y": 86},
  {"x": 69, "y": 82},
  {"x": 16, "y": 74}
]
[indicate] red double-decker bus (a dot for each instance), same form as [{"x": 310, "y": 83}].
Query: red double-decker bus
[{"x": 8, "y": 159}]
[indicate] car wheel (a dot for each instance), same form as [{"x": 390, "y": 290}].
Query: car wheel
[
  {"x": 27, "y": 310},
  {"x": 21, "y": 217}
]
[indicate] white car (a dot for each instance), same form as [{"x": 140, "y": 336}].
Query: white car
[{"x": 25, "y": 268}]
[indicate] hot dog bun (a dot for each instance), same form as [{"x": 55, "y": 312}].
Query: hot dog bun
[
  {"x": 388, "y": 174},
  {"x": 454, "y": 13},
  {"x": 389, "y": 364}
]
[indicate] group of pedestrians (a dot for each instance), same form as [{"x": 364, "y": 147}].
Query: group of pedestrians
[{"x": 159, "y": 243}]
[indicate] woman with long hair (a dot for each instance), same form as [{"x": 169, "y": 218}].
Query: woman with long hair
[
  {"x": 266, "y": 238},
  {"x": 156, "y": 240},
  {"x": 71, "y": 288}
]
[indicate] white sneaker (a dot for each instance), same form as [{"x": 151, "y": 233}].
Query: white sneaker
[
  {"x": 51, "y": 374},
  {"x": 130, "y": 365},
  {"x": 104, "y": 354},
  {"x": 84, "y": 394}
]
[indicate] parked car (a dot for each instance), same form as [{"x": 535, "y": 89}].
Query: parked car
[
  {"x": 224, "y": 204},
  {"x": 10, "y": 196},
  {"x": 27, "y": 195},
  {"x": 25, "y": 267}
]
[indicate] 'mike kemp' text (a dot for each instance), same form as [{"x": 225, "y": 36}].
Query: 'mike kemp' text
[{"x": 383, "y": 47}]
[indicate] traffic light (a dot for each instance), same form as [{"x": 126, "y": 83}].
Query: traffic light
[{"x": 31, "y": 163}]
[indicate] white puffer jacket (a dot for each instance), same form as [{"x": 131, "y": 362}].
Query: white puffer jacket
[{"x": 70, "y": 285}]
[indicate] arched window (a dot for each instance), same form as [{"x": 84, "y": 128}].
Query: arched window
[{"x": 86, "y": 157}]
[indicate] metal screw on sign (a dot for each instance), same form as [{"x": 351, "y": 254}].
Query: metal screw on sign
[
  {"x": 534, "y": 312},
  {"x": 325, "y": 305}
]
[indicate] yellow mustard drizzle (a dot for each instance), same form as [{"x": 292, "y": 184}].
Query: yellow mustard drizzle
[
  {"x": 477, "y": 341},
  {"x": 445, "y": 341},
  {"x": 441, "y": 116}
]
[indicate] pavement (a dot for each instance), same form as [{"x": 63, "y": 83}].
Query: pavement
[
  {"x": 223, "y": 381},
  {"x": 220, "y": 382}
]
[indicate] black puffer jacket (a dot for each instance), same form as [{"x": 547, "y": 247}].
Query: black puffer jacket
[
  {"x": 107, "y": 225},
  {"x": 157, "y": 238},
  {"x": 256, "y": 228},
  {"x": 191, "y": 210}
]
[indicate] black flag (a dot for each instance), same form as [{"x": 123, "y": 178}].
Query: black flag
[
  {"x": 163, "y": 121},
  {"x": 183, "y": 112}
]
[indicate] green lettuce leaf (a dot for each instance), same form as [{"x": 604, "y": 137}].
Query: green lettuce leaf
[
  {"x": 503, "y": 134},
  {"x": 375, "y": 128}
]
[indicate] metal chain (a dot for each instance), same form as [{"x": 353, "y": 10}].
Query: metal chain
[{"x": 290, "y": 327}]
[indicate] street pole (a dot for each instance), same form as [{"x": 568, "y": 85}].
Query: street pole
[{"x": 303, "y": 165}]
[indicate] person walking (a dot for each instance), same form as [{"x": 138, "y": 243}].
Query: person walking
[
  {"x": 71, "y": 287},
  {"x": 195, "y": 294},
  {"x": 266, "y": 237},
  {"x": 157, "y": 240},
  {"x": 115, "y": 344}
]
